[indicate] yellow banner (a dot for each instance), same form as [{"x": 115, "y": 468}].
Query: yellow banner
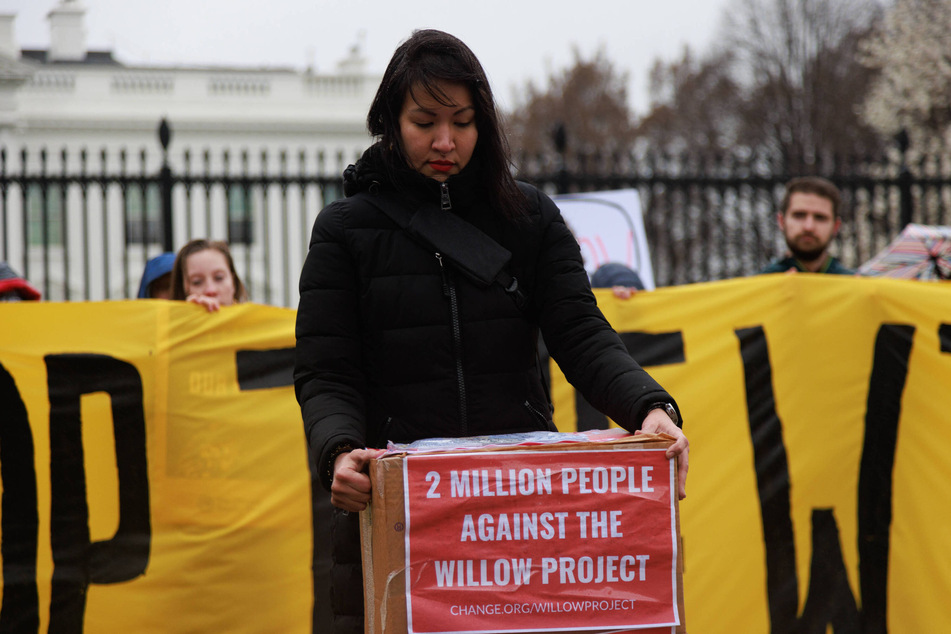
[
  {"x": 154, "y": 470},
  {"x": 175, "y": 437}
]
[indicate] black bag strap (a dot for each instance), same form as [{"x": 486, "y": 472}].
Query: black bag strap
[{"x": 480, "y": 258}]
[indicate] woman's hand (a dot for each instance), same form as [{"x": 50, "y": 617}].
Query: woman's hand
[
  {"x": 350, "y": 490},
  {"x": 211, "y": 304},
  {"x": 658, "y": 422}
]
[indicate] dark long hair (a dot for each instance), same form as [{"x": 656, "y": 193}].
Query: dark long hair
[
  {"x": 427, "y": 58},
  {"x": 194, "y": 246}
]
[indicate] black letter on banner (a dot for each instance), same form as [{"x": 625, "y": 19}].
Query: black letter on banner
[
  {"x": 887, "y": 383},
  {"x": 649, "y": 349},
  {"x": 772, "y": 478},
  {"x": 666, "y": 348},
  {"x": 830, "y": 600},
  {"x": 20, "y": 527},
  {"x": 262, "y": 369},
  {"x": 77, "y": 562},
  {"x": 944, "y": 336}
]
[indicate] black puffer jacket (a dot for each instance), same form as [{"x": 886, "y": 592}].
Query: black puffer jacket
[{"x": 394, "y": 343}]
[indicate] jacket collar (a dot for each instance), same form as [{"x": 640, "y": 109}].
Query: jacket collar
[{"x": 371, "y": 173}]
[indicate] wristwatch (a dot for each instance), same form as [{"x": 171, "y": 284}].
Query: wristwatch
[{"x": 667, "y": 407}]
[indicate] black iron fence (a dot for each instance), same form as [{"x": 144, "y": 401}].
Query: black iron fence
[
  {"x": 714, "y": 217},
  {"x": 81, "y": 226}
]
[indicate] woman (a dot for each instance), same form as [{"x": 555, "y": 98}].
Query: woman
[
  {"x": 398, "y": 340},
  {"x": 204, "y": 274}
]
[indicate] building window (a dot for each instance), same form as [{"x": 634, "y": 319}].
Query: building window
[
  {"x": 240, "y": 215},
  {"x": 143, "y": 216},
  {"x": 45, "y": 215},
  {"x": 332, "y": 192}
]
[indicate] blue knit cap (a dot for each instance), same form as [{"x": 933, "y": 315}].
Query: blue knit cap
[
  {"x": 616, "y": 274},
  {"x": 154, "y": 269}
]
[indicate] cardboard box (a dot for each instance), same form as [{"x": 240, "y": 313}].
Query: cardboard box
[{"x": 467, "y": 553}]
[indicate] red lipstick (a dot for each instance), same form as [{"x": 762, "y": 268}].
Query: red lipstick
[{"x": 441, "y": 166}]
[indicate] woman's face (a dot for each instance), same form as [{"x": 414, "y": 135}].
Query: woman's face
[
  {"x": 439, "y": 140},
  {"x": 207, "y": 273}
]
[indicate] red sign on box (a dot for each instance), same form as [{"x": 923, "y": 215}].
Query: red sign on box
[{"x": 540, "y": 541}]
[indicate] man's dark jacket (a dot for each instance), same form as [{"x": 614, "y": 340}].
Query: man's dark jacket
[
  {"x": 394, "y": 343},
  {"x": 831, "y": 266}
]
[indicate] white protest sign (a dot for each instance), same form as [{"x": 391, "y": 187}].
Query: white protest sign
[{"x": 609, "y": 227}]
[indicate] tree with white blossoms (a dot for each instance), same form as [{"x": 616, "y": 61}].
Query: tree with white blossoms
[{"x": 912, "y": 51}]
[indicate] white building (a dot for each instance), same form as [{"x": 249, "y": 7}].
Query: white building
[{"x": 67, "y": 100}]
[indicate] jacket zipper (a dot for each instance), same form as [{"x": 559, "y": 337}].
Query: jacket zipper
[
  {"x": 449, "y": 291},
  {"x": 544, "y": 420},
  {"x": 444, "y": 200}
]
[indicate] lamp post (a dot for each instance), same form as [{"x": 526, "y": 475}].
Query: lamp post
[
  {"x": 904, "y": 178},
  {"x": 559, "y": 137},
  {"x": 165, "y": 185}
]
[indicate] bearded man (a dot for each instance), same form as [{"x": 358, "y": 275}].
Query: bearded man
[{"x": 809, "y": 219}]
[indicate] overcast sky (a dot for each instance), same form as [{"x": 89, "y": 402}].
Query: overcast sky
[{"x": 516, "y": 40}]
